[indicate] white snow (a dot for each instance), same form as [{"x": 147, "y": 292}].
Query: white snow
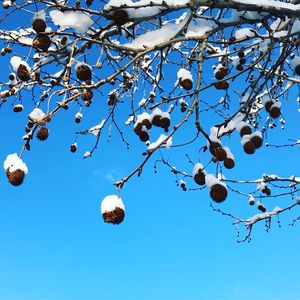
[
  {"x": 110, "y": 203},
  {"x": 37, "y": 114},
  {"x": 77, "y": 20},
  {"x": 96, "y": 129},
  {"x": 183, "y": 74},
  {"x": 199, "y": 28},
  {"x": 160, "y": 140},
  {"x": 13, "y": 162},
  {"x": 211, "y": 180},
  {"x": 198, "y": 166}
]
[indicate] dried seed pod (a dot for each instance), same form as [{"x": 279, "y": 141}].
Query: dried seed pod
[
  {"x": 87, "y": 95},
  {"x": 243, "y": 128},
  {"x": 256, "y": 139},
  {"x": 221, "y": 85},
  {"x": 73, "y": 148},
  {"x": 120, "y": 17},
  {"x": 275, "y": 111},
  {"x": 229, "y": 163},
  {"x": 23, "y": 72},
  {"x": 112, "y": 209},
  {"x": 218, "y": 192},
  {"x": 16, "y": 177},
  {"x": 42, "y": 133},
  {"x": 187, "y": 84},
  {"x": 217, "y": 151},
  {"x": 39, "y": 25},
  {"x": 249, "y": 147},
  {"x": 199, "y": 174},
  {"x": 42, "y": 42},
  {"x": 83, "y": 72}
]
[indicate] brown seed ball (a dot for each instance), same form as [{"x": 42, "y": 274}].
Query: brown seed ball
[
  {"x": 217, "y": 151},
  {"x": 200, "y": 178},
  {"x": 262, "y": 208},
  {"x": 239, "y": 67},
  {"x": 297, "y": 70},
  {"x": 221, "y": 73},
  {"x": 268, "y": 105},
  {"x": 257, "y": 141},
  {"x": 42, "y": 133},
  {"x": 42, "y": 42},
  {"x": 242, "y": 61},
  {"x": 144, "y": 136},
  {"x": 147, "y": 123},
  {"x": 73, "y": 148},
  {"x": 241, "y": 54},
  {"x": 221, "y": 85},
  {"x": 232, "y": 40},
  {"x": 16, "y": 177},
  {"x": 84, "y": 72},
  {"x": 87, "y": 95},
  {"x": 88, "y": 2},
  {"x": 112, "y": 99},
  {"x": 23, "y": 73},
  {"x": 245, "y": 130},
  {"x": 164, "y": 123},
  {"x": 120, "y": 17},
  {"x": 138, "y": 128},
  {"x": 8, "y": 50},
  {"x": 156, "y": 120},
  {"x": 39, "y": 25},
  {"x": 218, "y": 193},
  {"x": 275, "y": 112},
  {"x": 187, "y": 84},
  {"x": 115, "y": 217},
  {"x": 229, "y": 163},
  {"x": 18, "y": 108},
  {"x": 249, "y": 147}
]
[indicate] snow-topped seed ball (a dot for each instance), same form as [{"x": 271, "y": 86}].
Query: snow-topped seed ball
[
  {"x": 112, "y": 209},
  {"x": 218, "y": 190},
  {"x": 15, "y": 169},
  {"x": 83, "y": 72},
  {"x": 42, "y": 133},
  {"x": 120, "y": 17}
]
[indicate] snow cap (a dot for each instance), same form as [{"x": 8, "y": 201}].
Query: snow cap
[
  {"x": 110, "y": 203},
  {"x": 13, "y": 162}
]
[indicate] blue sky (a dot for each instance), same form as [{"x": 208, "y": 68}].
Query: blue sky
[{"x": 55, "y": 246}]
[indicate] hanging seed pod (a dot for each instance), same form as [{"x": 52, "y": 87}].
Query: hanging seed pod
[
  {"x": 120, "y": 17},
  {"x": 112, "y": 209}
]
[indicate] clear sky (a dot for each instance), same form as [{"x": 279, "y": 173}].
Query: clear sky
[{"x": 54, "y": 244}]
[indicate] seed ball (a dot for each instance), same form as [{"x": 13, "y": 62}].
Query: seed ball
[
  {"x": 218, "y": 193},
  {"x": 16, "y": 177},
  {"x": 242, "y": 61},
  {"x": 18, "y": 108},
  {"x": 241, "y": 54},
  {"x": 262, "y": 208},
  {"x": 120, "y": 17},
  {"x": 257, "y": 141},
  {"x": 221, "y": 73},
  {"x": 221, "y": 85},
  {"x": 200, "y": 178},
  {"x": 297, "y": 70},
  {"x": 115, "y": 217},
  {"x": 229, "y": 163},
  {"x": 138, "y": 128},
  {"x": 217, "y": 151},
  {"x": 88, "y": 2},
  {"x": 251, "y": 202},
  {"x": 249, "y": 147},
  {"x": 84, "y": 72},
  {"x": 245, "y": 130},
  {"x": 87, "y": 95},
  {"x": 275, "y": 112},
  {"x": 187, "y": 84},
  {"x": 112, "y": 99},
  {"x": 156, "y": 120},
  {"x": 232, "y": 40},
  {"x": 164, "y": 123},
  {"x": 42, "y": 42},
  {"x": 144, "y": 136},
  {"x": 268, "y": 105},
  {"x": 42, "y": 133},
  {"x": 73, "y": 148},
  {"x": 8, "y": 50},
  {"x": 39, "y": 25},
  {"x": 147, "y": 123},
  {"x": 23, "y": 73},
  {"x": 239, "y": 67}
]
